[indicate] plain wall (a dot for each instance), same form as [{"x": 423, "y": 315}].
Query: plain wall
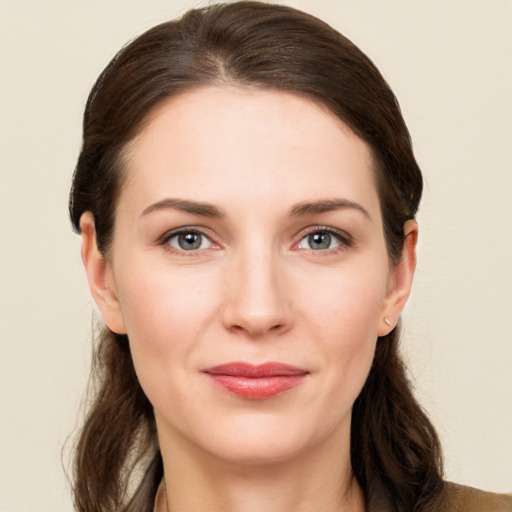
[{"x": 449, "y": 63}]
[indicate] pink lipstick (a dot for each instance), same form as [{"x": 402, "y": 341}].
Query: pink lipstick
[{"x": 256, "y": 382}]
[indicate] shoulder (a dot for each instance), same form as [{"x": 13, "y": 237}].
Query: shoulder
[{"x": 459, "y": 498}]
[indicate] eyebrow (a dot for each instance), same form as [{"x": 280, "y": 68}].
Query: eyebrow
[
  {"x": 194, "y": 207},
  {"x": 210, "y": 210},
  {"x": 326, "y": 205}
]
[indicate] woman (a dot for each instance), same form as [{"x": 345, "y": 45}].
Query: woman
[{"x": 246, "y": 194}]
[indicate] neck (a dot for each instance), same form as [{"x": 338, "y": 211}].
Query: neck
[{"x": 314, "y": 480}]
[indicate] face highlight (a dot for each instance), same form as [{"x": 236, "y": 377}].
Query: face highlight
[{"x": 249, "y": 231}]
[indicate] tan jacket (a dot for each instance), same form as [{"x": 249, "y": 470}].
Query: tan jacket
[{"x": 459, "y": 498}]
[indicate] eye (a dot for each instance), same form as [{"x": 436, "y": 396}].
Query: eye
[
  {"x": 189, "y": 241},
  {"x": 323, "y": 240}
]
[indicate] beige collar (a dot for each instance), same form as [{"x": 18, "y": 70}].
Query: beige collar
[{"x": 160, "y": 498}]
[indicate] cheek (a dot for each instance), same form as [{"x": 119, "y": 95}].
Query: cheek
[
  {"x": 344, "y": 316},
  {"x": 159, "y": 297},
  {"x": 165, "y": 311},
  {"x": 348, "y": 304}
]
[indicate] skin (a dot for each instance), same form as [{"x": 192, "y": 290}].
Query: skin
[{"x": 255, "y": 290}]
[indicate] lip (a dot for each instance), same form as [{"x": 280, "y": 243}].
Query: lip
[{"x": 256, "y": 382}]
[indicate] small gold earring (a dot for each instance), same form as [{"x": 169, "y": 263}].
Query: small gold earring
[{"x": 387, "y": 322}]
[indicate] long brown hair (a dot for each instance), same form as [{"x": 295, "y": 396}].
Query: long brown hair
[{"x": 395, "y": 451}]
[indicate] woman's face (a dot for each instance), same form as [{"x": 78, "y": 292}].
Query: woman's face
[{"x": 248, "y": 230}]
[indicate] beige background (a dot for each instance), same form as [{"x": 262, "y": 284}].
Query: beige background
[{"x": 448, "y": 61}]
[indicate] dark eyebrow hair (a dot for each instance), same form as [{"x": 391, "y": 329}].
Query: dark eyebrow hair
[
  {"x": 210, "y": 210},
  {"x": 195, "y": 207},
  {"x": 326, "y": 205}
]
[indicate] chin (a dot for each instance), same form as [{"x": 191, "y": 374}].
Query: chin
[
  {"x": 268, "y": 451},
  {"x": 266, "y": 440}
]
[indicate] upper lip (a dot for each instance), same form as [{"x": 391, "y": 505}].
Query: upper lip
[{"x": 251, "y": 371}]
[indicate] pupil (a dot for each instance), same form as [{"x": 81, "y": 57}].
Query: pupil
[
  {"x": 189, "y": 241},
  {"x": 320, "y": 240}
]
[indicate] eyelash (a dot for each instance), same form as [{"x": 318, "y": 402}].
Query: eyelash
[
  {"x": 344, "y": 239},
  {"x": 167, "y": 237}
]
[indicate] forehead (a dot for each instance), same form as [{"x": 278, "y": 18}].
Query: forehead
[{"x": 215, "y": 143}]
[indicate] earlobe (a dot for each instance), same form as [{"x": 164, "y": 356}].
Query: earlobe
[
  {"x": 100, "y": 277},
  {"x": 400, "y": 280}
]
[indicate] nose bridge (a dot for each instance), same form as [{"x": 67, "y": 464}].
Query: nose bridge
[{"x": 257, "y": 299}]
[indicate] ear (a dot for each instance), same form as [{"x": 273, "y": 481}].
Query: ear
[
  {"x": 400, "y": 281},
  {"x": 100, "y": 276}
]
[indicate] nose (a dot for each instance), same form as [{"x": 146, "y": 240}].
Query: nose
[{"x": 257, "y": 297}]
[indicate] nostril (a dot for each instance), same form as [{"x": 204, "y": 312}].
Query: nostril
[
  {"x": 256, "y": 307},
  {"x": 256, "y": 329}
]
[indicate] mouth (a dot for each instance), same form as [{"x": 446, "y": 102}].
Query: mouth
[{"x": 256, "y": 382}]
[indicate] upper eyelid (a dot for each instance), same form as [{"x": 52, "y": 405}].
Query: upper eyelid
[
  {"x": 329, "y": 229},
  {"x": 185, "y": 229},
  {"x": 172, "y": 233}
]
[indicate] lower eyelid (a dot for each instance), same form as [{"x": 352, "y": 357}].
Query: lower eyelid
[
  {"x": 167, "y": 237},
  {"x": 177, "y": 235},
  {"x": 343, "y": 238}
]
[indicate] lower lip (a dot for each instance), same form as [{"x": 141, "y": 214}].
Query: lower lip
[{"x": 259, "y": 388}]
